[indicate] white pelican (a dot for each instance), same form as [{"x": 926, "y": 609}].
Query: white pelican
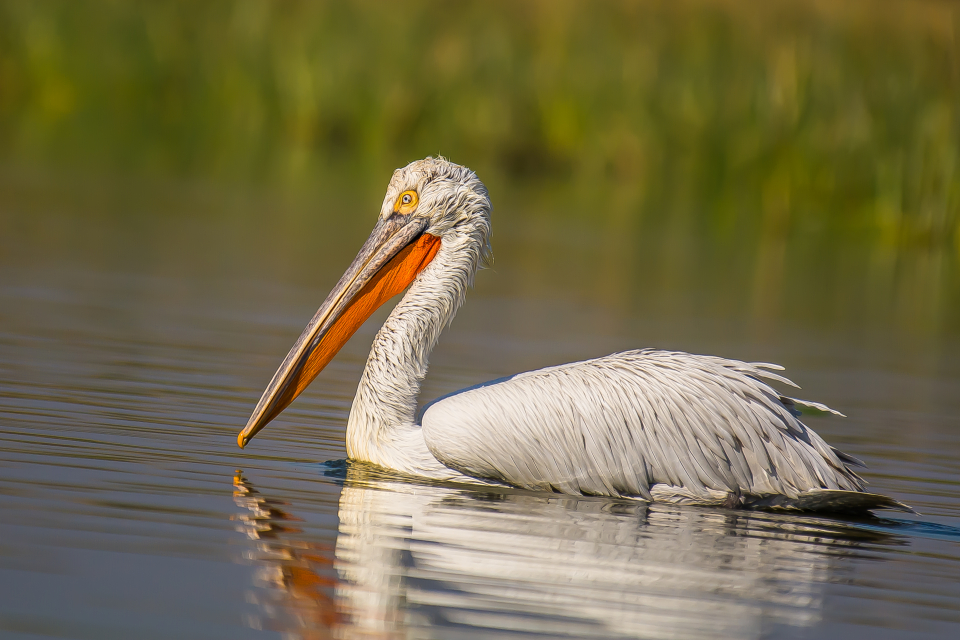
[{"x": 655, "y": 425}]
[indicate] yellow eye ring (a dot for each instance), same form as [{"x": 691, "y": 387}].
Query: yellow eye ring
[{"x": 406, "y": 202}]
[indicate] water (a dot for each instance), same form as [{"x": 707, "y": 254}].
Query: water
[{"x": 135, "y": 338}]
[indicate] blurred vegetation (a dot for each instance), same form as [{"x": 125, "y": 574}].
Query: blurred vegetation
[
  {"x": 796, "y": 159},
  {"x": 818, "y": 115}
]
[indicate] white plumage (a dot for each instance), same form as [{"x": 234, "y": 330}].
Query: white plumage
[{"x": 655, "y": 425}]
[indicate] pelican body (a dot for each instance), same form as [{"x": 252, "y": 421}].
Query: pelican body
[{"x": 646, "y": 424}]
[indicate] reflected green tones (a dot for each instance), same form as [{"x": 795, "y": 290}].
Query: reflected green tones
[{"x": 121, "y": 393}]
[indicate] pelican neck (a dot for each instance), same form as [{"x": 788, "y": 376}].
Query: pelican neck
[{"x": 382, "y": 425}]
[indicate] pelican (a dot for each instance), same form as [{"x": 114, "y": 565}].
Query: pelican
[{"x": 645, "y": 424}]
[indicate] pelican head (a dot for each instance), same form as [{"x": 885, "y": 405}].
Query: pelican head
[{"x": 429, "y": 204}]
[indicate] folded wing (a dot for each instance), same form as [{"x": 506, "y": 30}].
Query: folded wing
[{"x": 623, "y": 424}]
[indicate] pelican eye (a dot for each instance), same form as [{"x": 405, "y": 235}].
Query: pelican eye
[{"x": 406, "y": 203}]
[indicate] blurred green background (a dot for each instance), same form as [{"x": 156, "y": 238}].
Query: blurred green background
[{"x": 786, "y": 158}]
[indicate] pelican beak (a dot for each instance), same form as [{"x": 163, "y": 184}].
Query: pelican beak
[{"x": 394, "y": 254}]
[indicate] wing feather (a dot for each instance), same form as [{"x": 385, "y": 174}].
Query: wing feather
[{"x": 619, "y": 425}]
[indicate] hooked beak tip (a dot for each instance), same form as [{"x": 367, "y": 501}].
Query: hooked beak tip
[{"x": 242, "y": 441}]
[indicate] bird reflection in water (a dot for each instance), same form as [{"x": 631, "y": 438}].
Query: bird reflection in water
[
  {"x": 295, "y": 577},
  {"x": 414, "y": 560}
]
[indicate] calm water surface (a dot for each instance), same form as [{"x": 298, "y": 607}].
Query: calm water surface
[{"x": 132, "y": 351}]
